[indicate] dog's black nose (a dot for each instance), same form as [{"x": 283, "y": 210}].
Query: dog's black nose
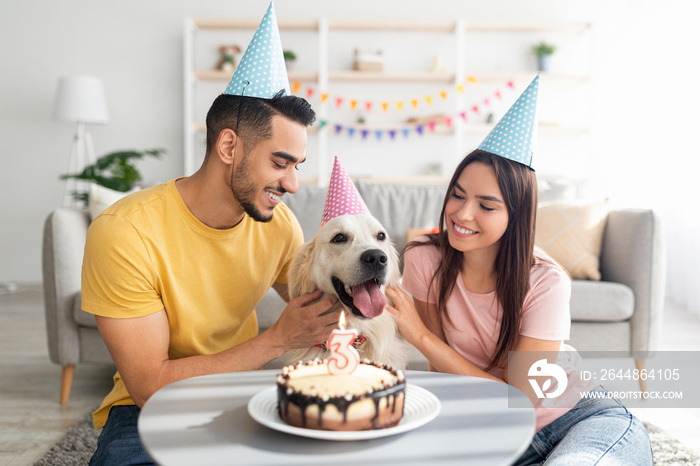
[{"x": 374, "y": 259}]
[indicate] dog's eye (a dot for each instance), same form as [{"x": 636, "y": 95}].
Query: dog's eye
[
  {"x": 381, "y": 236},
  {"x": 339, "y": 238}
]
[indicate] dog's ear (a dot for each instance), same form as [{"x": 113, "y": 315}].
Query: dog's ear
[{"x": 299, "y": 275}]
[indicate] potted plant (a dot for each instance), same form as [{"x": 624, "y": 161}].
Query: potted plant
[
  {"x": 543, "y": 51},
  {"x": 115, "y": 171},
  {"x": 289, "y": 57}
]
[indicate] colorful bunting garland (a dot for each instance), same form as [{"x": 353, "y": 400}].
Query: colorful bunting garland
[
  {"x": 354, "y": 103},
  {"x": 407, "y": 129}
]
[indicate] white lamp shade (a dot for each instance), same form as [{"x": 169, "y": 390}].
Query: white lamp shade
[{"x": 81, "y": 99}]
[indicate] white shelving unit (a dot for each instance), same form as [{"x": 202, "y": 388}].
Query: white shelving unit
[{"x": 321, "y": 72}]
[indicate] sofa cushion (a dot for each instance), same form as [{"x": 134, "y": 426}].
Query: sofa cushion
[
  {"x": 82, "y": 318},
  {"x": 601, "y": 301},
  {"x": 269, "y": 309},
  {"x": 402, "y": 207},
  {"x": 572, "y": 233},
  {"x": 307, "y": 204},
  {"x": 594, "y": 336},
  {"x": 99, "y": 198}
]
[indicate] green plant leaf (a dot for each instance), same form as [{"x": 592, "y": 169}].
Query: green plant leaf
[
  {"x": 543, "y": 48},
  {"x": 112, "y": 183},
  {"x": 115, "y": 170}
]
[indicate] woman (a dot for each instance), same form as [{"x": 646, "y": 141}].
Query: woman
[{"x": 481, "y": 289}]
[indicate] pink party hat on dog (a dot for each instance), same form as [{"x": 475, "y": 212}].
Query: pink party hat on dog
[{"x": 343, "y": 197}]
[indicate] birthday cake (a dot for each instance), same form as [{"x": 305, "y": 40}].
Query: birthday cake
[{"x": 372, "y": 397}]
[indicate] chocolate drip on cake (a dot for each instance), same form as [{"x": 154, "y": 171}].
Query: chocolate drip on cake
[{"x": 307, "y": 408}]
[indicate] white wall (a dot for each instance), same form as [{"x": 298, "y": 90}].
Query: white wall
[{"x": 643, "y": 82}]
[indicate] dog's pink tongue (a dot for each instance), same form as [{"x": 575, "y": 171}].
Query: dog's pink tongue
[{"x": 368, "y": 298}]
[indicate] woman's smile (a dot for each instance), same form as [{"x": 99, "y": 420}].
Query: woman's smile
[{"x": 462, "y": 232}]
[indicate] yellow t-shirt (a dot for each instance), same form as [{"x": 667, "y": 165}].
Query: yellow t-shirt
[{"x": 148, "y": 252}]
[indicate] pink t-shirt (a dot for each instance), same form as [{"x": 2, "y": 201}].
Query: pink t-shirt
[{"x": 476, "y": 319}]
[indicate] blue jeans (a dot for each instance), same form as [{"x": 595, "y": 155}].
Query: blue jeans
[
  {"x": 119, "y": 442},
  {"x": 595, "y": 431}
]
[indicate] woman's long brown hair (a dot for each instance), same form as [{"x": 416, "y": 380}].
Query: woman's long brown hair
[{"x": 515, "y": 258}]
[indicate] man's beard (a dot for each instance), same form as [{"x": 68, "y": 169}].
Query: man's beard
[{"x": 245, "y": 192}]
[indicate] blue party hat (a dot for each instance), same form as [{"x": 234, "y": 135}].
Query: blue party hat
[
  {"x": 261, "y": 71},
  {"x": 515, "y": 135}
]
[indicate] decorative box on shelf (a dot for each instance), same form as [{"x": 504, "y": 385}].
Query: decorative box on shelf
[{"x": 365, "y": 61}]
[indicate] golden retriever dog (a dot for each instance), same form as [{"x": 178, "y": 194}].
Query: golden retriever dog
[{"x": 352, "y": 257}]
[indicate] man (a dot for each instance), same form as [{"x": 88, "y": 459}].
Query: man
[{"x": 173, "y": 273}]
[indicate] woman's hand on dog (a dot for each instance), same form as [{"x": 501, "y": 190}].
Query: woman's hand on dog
[
  {"x": 405, "y": 315},
  {"x": 307, "y": 320}
]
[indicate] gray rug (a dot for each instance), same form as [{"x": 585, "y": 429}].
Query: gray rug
[{"x": 80, "y": 442}]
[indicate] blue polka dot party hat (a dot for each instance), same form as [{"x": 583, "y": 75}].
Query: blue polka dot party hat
[
  {"x": 515, "y": 135},
  {"x": 261, "y": 71}
]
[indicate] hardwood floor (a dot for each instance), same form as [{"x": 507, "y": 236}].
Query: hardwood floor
[{"x": 32, "y": 420}]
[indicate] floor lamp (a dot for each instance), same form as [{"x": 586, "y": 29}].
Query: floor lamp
[{"x": 80, "y": 100}]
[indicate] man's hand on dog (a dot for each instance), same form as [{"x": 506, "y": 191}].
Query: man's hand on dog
[{"x": 308, "y": 320}]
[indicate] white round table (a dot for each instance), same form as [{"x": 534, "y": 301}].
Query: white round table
[{"x": 205, "y": 420}]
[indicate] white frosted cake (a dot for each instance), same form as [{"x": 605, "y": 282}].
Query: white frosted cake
[{"x": 372, "y": 397}]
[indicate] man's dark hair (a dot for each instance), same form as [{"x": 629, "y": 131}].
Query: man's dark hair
[{"x": 255, "y": 115}]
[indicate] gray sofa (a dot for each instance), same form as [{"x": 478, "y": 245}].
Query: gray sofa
[{"x": 622, "y": 312}]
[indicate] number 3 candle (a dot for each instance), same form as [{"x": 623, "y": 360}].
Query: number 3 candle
[{"x": 344, "y": 357}]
